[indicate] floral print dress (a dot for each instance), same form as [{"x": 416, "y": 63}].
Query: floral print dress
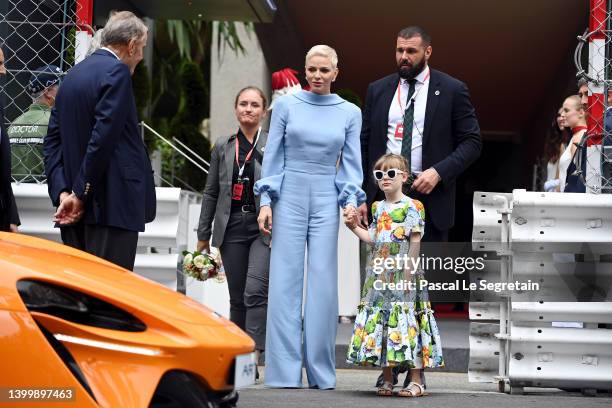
[{"x": 394, "y": 326}]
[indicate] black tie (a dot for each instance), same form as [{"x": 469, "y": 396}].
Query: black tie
[{"x": 408, "y": 123}]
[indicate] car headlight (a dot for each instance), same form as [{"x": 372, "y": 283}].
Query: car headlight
[{"x": 77, "y": 307}]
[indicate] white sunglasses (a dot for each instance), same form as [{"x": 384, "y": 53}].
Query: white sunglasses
[{"x": 391, "y": 173}]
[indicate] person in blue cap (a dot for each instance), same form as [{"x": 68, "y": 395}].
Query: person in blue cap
[{"x": 27, "y": 132}]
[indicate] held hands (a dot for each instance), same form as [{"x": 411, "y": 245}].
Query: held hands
[
  {"x": 350, "y": 217},
  {"x": 70, "y": 209},
  {"x": 264, "y": 219},
  {"x": 362, "y": 214},
  {"x": 426, "y": 181}
]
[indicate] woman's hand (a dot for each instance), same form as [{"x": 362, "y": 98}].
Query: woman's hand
[
  {"x": 203, "y": 246},
  {"x": 264, "y": 219}
]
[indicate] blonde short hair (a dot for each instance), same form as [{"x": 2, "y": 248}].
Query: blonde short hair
[{"x": 323, "y": 51}]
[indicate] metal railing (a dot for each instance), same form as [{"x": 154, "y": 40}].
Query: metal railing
[{"x": 183, "y": 151}]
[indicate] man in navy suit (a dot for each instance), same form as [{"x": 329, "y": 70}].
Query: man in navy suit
[
  {"x": 98, "y": 171},
  {"x": 9, "y": 218},
  {"x": 444, "y": 139}
]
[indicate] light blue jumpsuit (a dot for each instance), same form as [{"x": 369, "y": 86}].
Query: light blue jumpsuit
[{"x": 308, "y": 134}]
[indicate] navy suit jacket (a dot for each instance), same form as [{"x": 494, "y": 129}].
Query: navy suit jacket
[
  {"x": 93, "y": 146},
  {"x": 451, "y": 138},
  {"x": 8, "y": 208}
]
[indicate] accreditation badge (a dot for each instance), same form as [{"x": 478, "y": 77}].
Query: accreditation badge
[
  {"x": 237, "y": 190},
  {"x": 399, "y": 131}
]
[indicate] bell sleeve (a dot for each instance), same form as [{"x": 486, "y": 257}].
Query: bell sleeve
[
  {"x": 273, "y": 167},
  {"x": 350, "y": 175}
]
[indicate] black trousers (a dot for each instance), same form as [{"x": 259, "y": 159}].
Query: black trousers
[
  {"x": 116, "y": 245},
  {"x": 246, "y": 259}
]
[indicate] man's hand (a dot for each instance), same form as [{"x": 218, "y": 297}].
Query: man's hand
[
  {"x": 362, "y": 214},
  {"x": 63, "y": 195},
  {"x": 69, "y": 211},
  {"x": 13, "y": 228},
  {"x": 203, "y": 246},
  {"x": 264, "y": 219},
  {"x": 426, "y": 181}
]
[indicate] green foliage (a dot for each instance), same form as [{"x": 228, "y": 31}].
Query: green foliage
[
  {"x": 228, "y": 36},
  {"x": 69, "y": 35},
  {"x": 349, "y": 95},
  {"x": 176, "y": 99},
  {"x": 185, "y": 125},
  {"x": 141, "y": 83}
]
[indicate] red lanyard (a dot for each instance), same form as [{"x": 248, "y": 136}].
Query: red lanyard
[
  {"x": 248, "y": 156},
  {"x": 399, "y": 90}
]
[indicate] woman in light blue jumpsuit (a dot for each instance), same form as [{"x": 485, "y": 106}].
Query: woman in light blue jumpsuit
[{"x": 312, "y": 164}]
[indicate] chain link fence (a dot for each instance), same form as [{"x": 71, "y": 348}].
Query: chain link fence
[
  {"x": 35, "y": 33},
  {"x": 593, "y": 158}
]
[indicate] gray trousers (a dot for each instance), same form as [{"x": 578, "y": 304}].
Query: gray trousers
[{"x": 246, "y": 260}]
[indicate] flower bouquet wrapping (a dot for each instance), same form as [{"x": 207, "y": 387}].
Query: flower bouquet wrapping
[{"x": 202, "y": 265}]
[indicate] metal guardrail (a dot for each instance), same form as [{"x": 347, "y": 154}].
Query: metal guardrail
[{"x": 533, "y": 344}]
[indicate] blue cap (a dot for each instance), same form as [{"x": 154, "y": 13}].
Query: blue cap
[{"x": 42, "y": 78}]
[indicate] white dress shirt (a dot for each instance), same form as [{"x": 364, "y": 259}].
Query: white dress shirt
[
  {"x": 111, "y": 51},
  {"x": 396, "y": 117}
]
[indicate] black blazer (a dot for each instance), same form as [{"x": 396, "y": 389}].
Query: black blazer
[
  {"x": 8, "y": 208},
  {"x": 93, "y": 146},
  {"x": 451, "y": 138}
]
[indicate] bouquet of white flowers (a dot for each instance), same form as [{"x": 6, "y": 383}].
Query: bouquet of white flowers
[{"x": 200, "y": 265}]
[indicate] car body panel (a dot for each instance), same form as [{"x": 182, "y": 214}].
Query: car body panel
[{"x": 122, "y": 368}]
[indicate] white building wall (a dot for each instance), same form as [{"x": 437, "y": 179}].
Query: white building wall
[{"x": 228, "y": 74}]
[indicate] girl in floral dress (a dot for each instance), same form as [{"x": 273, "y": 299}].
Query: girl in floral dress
[{"x": 394, "y": 324}]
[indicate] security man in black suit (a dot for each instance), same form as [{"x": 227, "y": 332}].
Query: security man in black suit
[{"x": 428, "y": 117}]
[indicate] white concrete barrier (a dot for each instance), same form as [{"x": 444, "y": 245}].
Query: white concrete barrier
[{"x": 544, "y": 233}]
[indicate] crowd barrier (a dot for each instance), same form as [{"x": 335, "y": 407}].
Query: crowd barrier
[
  {"x": 158, "y": 245},
  {"x": 543, "y": 343}
]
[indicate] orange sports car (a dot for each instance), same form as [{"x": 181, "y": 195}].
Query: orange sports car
[{"x": 77, "y": 331}]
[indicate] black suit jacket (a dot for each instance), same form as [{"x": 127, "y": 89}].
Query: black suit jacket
[
  {"x": 8, "y": 208},
  {"x": 451, "y": 138},
  {"x": 93, "y": 146}
]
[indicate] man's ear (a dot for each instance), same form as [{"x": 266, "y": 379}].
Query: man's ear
[{"x": 132, "y": 46}]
